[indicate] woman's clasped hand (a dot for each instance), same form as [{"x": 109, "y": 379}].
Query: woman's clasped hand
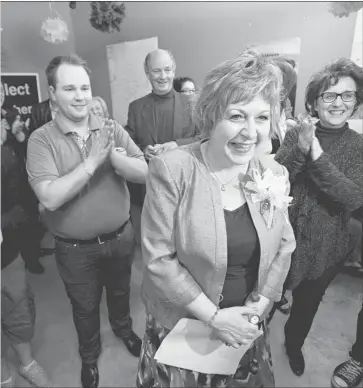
[{"x": 231, "y": 326}]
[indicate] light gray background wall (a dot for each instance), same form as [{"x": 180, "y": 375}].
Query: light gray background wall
[{"x": 200, "y": 35}]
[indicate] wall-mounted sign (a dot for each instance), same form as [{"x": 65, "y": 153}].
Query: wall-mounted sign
[{"x": 21, "y": 91}]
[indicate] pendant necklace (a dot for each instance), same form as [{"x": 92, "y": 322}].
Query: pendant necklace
[{"x": 223, "y": 185}]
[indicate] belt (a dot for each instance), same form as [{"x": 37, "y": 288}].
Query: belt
[{"x": 103, "y": 238}]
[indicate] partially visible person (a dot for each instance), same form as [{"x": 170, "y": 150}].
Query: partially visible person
[
  {"x": 209, "y": 249},
  {"x": 287, "y": 120},
  {"x": 17, "y": 301},
  {"x": 42, "y": 113},
  {"x": 325, "y": 162},
  {"x": 349, "y": 374},
  {"x": 161, "y": 120},
  {"x": 184, "y": 85},
  {"x": 79, "y": 175},
  {"x": 355, "y": 241},
  {"x": 99, "y": 108},
  {"x": 32, "y": 231}
]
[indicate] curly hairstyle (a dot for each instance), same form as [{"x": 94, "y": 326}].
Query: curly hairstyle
[
  {"x": 330, "y": 76},
  {"x": 239, "y": 80}
]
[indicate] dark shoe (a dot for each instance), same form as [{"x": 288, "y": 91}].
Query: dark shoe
[
  {"x": 133, "y": 344},
  {"x": 46, "y": 252},
  {"x": 35, "y": 268},
  {"x": 296, "y": 361},
  {"x": 296, "y": 358},
  {"x": 348, "y": 374},
  {"x": 89, "y": 376}
]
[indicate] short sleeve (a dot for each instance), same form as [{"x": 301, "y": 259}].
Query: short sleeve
[
  {"x": 123, "y": 139},
  {"x": 40, "y": 161}
]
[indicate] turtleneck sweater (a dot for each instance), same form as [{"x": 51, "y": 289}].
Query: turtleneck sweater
[
  {"x": 163, "y": 116},
  {"x": 327, "y": 136}
]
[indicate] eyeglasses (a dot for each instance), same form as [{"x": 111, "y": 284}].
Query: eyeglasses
[
  {"x": 188, "y": 91},
  {"x": 345, "y": 96}
]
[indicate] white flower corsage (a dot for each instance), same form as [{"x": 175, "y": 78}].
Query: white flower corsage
[{"x": 268, "y": 189}]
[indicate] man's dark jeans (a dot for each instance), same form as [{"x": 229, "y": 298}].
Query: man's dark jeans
[{"x": 85, "y": 269}]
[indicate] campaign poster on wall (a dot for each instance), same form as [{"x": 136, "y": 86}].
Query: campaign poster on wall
[{"x": 21, "y": 91}]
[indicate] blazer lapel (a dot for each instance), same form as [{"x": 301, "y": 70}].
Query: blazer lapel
[
  {"x": 259, "y": 217},
  {"x": 263, "y": 236},
  {"x": 147, "y": 114}
]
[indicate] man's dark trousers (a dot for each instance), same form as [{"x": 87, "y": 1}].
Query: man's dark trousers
[{"x": 85, "y": 269}]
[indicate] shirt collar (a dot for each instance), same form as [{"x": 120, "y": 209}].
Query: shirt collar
[{"x": 66, "y": 127}]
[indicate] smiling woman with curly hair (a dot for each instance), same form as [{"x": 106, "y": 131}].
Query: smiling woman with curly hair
[
  {"x": 211, "y": 252},
  {"x": 325, "y": 162}
]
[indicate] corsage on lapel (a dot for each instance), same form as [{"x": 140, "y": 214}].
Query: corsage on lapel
[{"x": 269, "y": 190}]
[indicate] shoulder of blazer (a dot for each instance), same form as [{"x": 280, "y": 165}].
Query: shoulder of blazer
[
  {"x": 180, "y": 162},
  {"x": 136, "y": 104}
]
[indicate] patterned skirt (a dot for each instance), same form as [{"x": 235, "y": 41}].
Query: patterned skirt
[{"x": 254, "y": 369}]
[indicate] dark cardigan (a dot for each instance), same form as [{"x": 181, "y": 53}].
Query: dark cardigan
[{"x": 325, "y": 193}]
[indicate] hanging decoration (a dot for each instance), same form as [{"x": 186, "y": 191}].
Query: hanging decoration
[
  {"x": 54, "y": 29},
  {"x": 106, "y": 16},
  {"x": 344, "y": 8}
]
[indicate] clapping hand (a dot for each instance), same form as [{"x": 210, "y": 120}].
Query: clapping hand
[
  {"x": 316, "y": 150},
  {"x": 102, "y": 143},
  {"x": 150, "y": 151},
  {"x": 170, "y": 145},
  {"x": 306, "y": 135},
  {"x": 17, "y": 125}
]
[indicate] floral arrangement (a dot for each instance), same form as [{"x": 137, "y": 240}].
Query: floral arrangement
[
  {"x": 344, "y": 8},
  {"x": 54, "y": 30},
  {"x": 106, "y": 16},
  {"x": 269, "y": 190}
]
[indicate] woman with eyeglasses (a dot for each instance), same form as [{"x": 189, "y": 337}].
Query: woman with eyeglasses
[
  {"x": 325, "y": 162},
  {"x": 184, "y": 85}
]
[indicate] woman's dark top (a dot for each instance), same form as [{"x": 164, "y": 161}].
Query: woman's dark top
[
  {"x": 327, "y": 136},
  {"x": 243, "y": 257},
  {"x": 326, "y": 192}
]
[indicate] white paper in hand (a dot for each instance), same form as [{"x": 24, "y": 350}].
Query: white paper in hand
[{"x": 189, "y": 346}]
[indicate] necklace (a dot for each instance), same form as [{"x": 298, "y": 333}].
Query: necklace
[{"x": 223, "y": 185}]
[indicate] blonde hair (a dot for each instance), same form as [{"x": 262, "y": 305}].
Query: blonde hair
[
  {"x": 103, "y": 105},
  {"x": 239, "y": 80}
]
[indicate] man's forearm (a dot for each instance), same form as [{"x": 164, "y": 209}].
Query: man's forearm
[
  {"x": 131, "y": 168},
  {"x": 58, "y": 192}
]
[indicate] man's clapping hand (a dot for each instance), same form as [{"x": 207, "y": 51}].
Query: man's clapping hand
[
  {"x": 170, "y": 145},
  {"x": 102, "y": 143}
]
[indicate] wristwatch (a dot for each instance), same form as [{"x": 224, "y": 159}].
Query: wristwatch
[{"x": 254, "y": 319}]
